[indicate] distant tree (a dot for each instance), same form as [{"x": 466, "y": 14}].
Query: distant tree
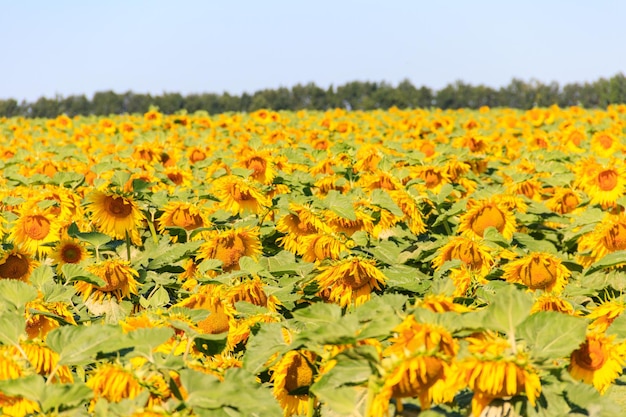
[
  {"x": 107, "y": 102},
  {"x": 10, "y": 108}
]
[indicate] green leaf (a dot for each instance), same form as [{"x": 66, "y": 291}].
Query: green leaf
[
  {"x": 610, "y": 260},
  {"x": 160, "y": 298},
  {"x": 65, "y": 396},
  {"x": 12, "y": 327},
  {"x": 30, "y": 387},
  {"x": 618, "y": 327},
  {"x": 534, "y": 245},
  {"x": 588, "y": 398},
  {"x": 510, "y": 307},
  {"x": 340, "y": 204},
  {"x": 41, "y": 275},
  {"x": 74, "y": 272},
  {"x": 262, "y": 345},
  {"x": 95, "y": 239},
  {"x": 174, "y": 254},
  {"x": 552, "y": 335},
  {"x": 145, "y": 340},
  {"x": 79, "y": 345},
  {"x": 16, "y": 293},
  {"x": 382, "y": 199}
]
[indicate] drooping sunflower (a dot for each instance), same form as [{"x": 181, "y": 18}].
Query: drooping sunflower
[
  {"x": 563, "y": 201},
  {"x": 119, "y": 277},
  {"x": 486, "y": 213},
  {"x": 35, "y": 229},
  {"x": 538, "y": 271},
  {"x": 473, "y": 253},
  {"x": 321, "y": 246},
  {"x": 16, "y": 264},
  {"x": 183, "y": 214},
  {"x": 417, "y": 364},
  {"x": 238, "y": 195},
  {"x": 552, "y": 302},
  {"x": 10, "y": 369},
  {"x": 493, "y": 371},
  {"x": 412, "y": 214},
  {"x": 252, "y": 291},
  {"x": 229, "y": 246},
  {"x": 604, "y": 314},
  {"x": 350, "y": 280},
  {"x": 116, "y": 215},
  {"x": 301, "y": 221},
  {"x": 261, "y": 164},
  {"x": 68, "y": 251},
  {"x": 597, "y": 361},
  {"x": 114, "y": 383},
  {"x": 292, "y": 376},
  {"x": 44, "y": 361},
  {"x": 38, "y": 325},
  {"x": 607, "y": 237},
  {"x": 380, "y": 180}
]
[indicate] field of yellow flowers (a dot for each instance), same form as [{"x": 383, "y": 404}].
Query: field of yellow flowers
[{"x": 331, "y": 263}]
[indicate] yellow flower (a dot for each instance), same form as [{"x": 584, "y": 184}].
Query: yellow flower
[
  {"x": 39, "y": 325},
  {"x": 603, "y": 315},
  {"x": 607, "y": 237},
  {"x": 563, "y": 201},
  {"x": 605, "y": 144},
  {"x": 605, "y": 185},
  {"x": 292, "y": 376},
  {"x": 350, "y": 281},
  {"x": 44, "y": 360},
  {"x": 240, "y": 196},
  {"x": 538, "y": 271},
  {"x": 597, "y": 361},
  {"x": 230, "y": 246},
  {"x": 116, "y": 215},
  {"x": 552, "y": 302},
  {"x": 113, "y": 383},
  {"x": 16, "y": 264},
  {"x": 35, "y": 229},
  {"x": 119, "y": 277},
  {"x": 68, "y": 251},
  {"x": 182, "y": 214},
  {"x": 486, "y": 213},
  {"x": 475, "y": 255}
]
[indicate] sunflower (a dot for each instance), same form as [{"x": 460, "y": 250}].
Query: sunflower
[
  {"x": 605, "y": 144},
  {"x": 552, "y": 302},
  {"x": 238, "y": 195},
  {"x": 119, "y": 277},
  {"x": 44, "y": 361},
  {"x": 597, "y": 361},
  {"x": 230, "y": 246},
  {"x": 538, "y": 271},
  {"x": 604, "y": 314},
  {"x": 350, "y": 280},
  {"x": 473, "y": 253},
  {"x": 292, "y": 376},
  {"x": 441, "y": 304},
  {"x": 434, "y": 177},
  {"x": 417, "y": 364},
  {"x": 68, "y": 251},
  {"x": 492, "y": 371},
  {"x": 10, "y": 369},
  {"x": 487, "y": 213},
  {"x": 35, "y": 229},
  {"x": 252, "y": 291},
  {"x": 301, "y": 221},
  {"x": 563, "y": 201},
  {"x": 260, "y": 162},
  {"x": 38, "y": 325},
  {"x": 321, "y": 246},
  {"x": 340, "y": 224},
  {"x": 16, "y": 264},
  {"x": 605, "y": 185},
  {"x": 116, "y": 215},
  {"x": 607, "y": 237},
  {"x": 379, "y": 180},
  {"x": 412, "y": 215},
  {"x": 182, "y": 214},
  {"x": 114, "y": 383}
]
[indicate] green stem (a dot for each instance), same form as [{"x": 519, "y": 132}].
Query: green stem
[
  {"x": 310, "y": 412},
  {"x": 127, "y": 246}
]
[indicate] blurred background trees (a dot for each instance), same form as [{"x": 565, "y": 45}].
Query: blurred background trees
[{"x": 355, "y": 95}]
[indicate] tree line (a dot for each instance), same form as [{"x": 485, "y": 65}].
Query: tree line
[{"x": 356, "y": 95}]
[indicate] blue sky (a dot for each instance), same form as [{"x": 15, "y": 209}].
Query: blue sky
[{"x": 190, "y": 46}]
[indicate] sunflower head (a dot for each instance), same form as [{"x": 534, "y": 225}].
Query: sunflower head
[
  {"x": 116, "y": 215},
  {"x": 597, "y": 361},
  {"x": 230, "y": 246},
  {"x": 538, "y": 271},
  {"x": 68, "y": 251},
  {"x": 292, "y": 376},
  {"x": 487, "y": 213},
  {"x": 350, "y": 280},
  {"x": 119, "y": 280},
  {"x": 16, "y": 264}
]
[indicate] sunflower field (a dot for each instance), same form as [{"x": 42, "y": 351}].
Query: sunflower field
[{"x": 440, "y": 263}]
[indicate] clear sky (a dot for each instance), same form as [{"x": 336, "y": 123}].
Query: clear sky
[{"x": 67, "y": 47}]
